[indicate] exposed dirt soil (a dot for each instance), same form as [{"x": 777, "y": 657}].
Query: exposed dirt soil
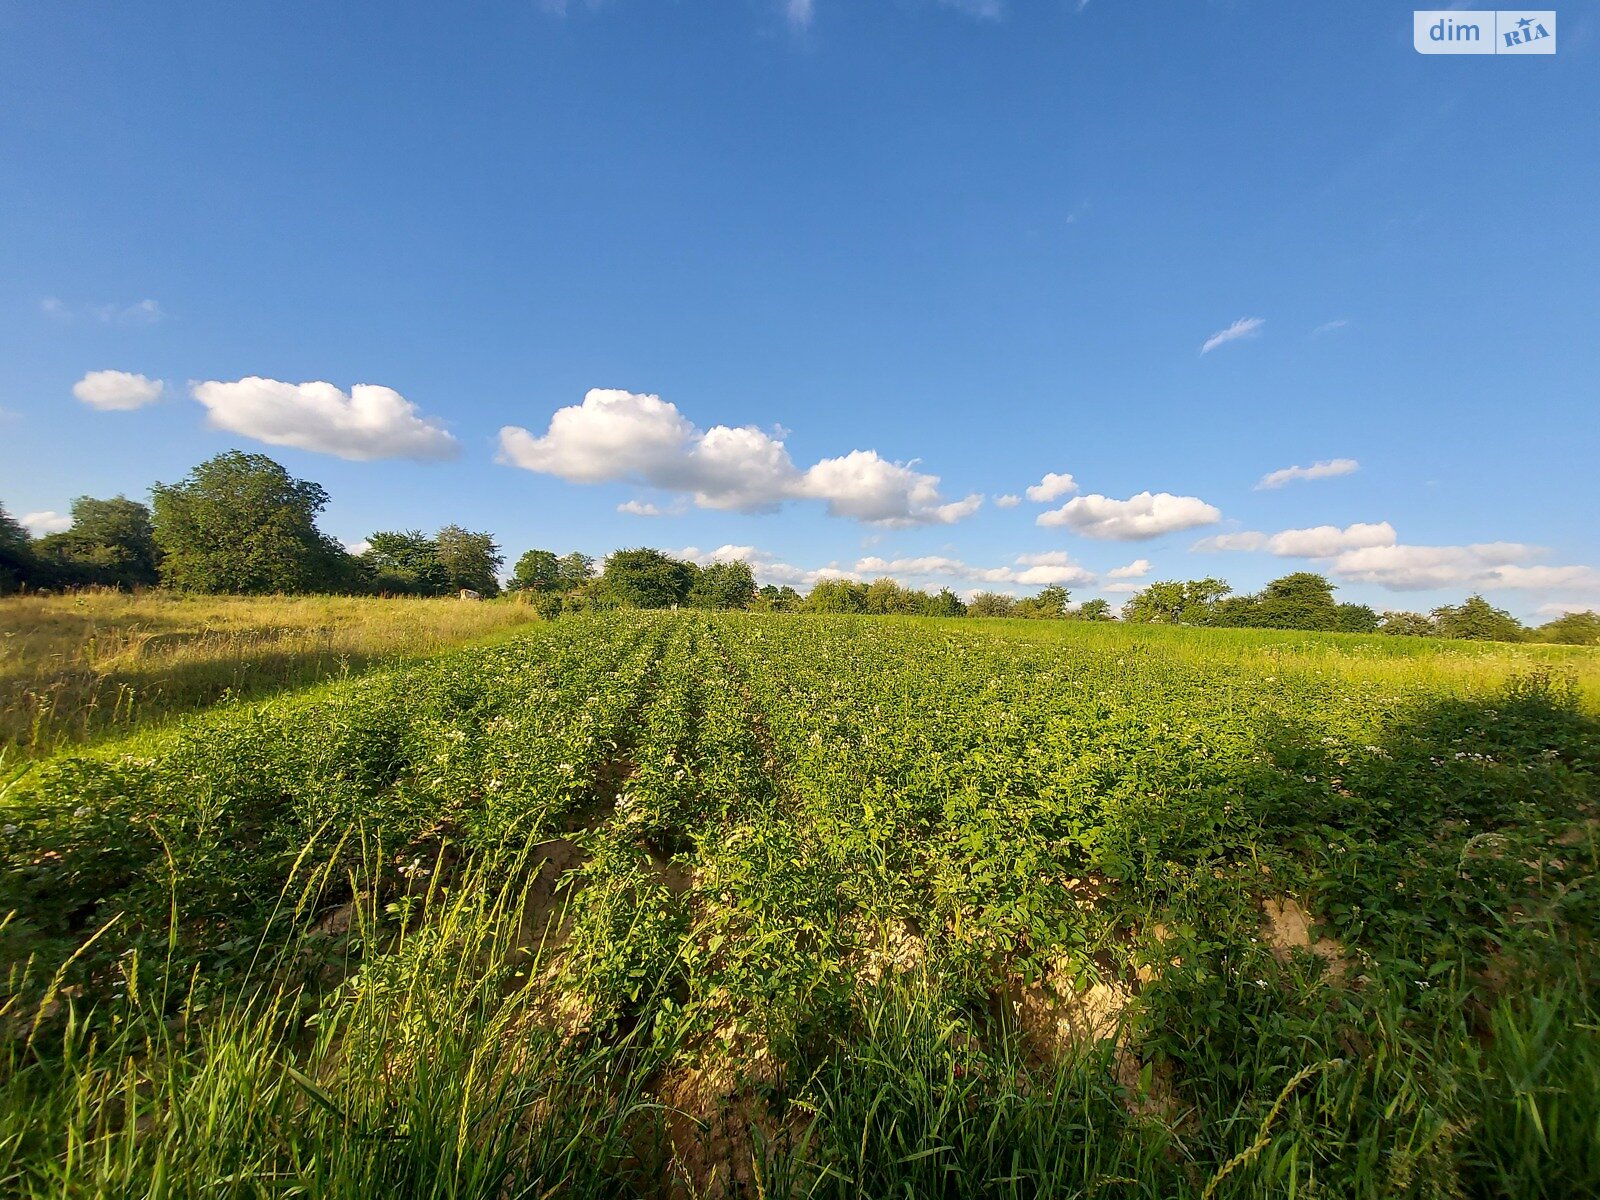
[
  {"x": 892, "y": 950},
  {"x": 717, "y": 1115},
  {"x": 1057, "y": 1017},
  {"x": 1287, "y": 928}
]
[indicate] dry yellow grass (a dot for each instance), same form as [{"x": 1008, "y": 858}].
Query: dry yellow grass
[{"x": 79, "y": 665}]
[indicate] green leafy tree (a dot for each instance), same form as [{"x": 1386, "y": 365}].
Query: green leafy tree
[
  {"x": 1098, "y": 609},
  {"x": 1232, "y": 612},
  {"x": 1573, "y": 628},
  {"x": 1303, "y": 600},
  {"x": 1355, "y": 618},
  {"x": 1170, "y": 602},
  {"x": 536, "y": 571},
  {"x": 723, "y": 585},
  {"x": 888, "y": 597},
  {"x": 991, "y": 604},
  {"x": 1049, "y": 605},
  {"x": 241, "y": 523},
  {"x": 645, "y": 578},
  {"x": 404, "y": 562},
  {"x": 947, "y": 604},
  {"x": 469, "y": 560},
  {"x": 837, "y": 596},
  {"x": 1477, "y": 620},
  {"x": 772, "y": 598},
  {"x": 111, "y": 543},
  {"x": 1407, "y": 624},
  {"x": 575, "y": 569},
  {"x": 19, "y": 568}
]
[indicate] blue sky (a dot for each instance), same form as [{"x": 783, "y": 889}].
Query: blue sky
[{"x": 874, "y": 259}]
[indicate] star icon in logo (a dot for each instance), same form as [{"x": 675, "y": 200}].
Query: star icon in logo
[{"x": 1525, "y": 22}]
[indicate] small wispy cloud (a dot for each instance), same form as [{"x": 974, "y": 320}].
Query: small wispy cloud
[
  {"x": 1007, "y": 501},
  {"x": 643, "y": 508},
  {"x": 799, "y": 13},
  {"x": 1244, "y": 327},
  {"x": 1326, "y": 469},
  {"x": 1330, "y": 326},
  {"x": 140, "y": 312},
  {"x": 561, "y": 8},
  {"x": 984, "y": 10}
]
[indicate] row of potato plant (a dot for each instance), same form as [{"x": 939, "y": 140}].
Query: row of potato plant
[{"x": 727, "y": 904}]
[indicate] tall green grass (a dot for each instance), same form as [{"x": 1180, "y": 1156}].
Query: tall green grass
[
  {"x": 96, "y": 662},
  {"x": 428, "y": 1066},
  {"x": 403, "y": 1054}
]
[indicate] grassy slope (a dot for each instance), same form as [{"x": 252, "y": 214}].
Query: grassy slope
[{"x": 82, "y": 665}]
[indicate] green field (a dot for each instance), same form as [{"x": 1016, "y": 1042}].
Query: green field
[{"x": 689, "y": 904}]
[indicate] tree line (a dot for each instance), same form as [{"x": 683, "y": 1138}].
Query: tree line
[
  {"x": 240, "y": 523},
  {"x": 1304, "y": 600}
]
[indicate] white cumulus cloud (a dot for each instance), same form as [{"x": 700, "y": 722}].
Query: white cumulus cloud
[
  {"x": 1244, "y": 327},
  {"x": 928, "y": 570},
  {"x": 1137, "y": 569},
  {"x": 1146, "y": 515},
  {"x": 869, "y": 488},
  {"x": 1320, "y": 541},
  {"x": 371, "y": 422},
  {"x": 1007, "y": 501},
  {"x": 1560, "y": 608},
  {"x": 41, "y": 523},
  {"x": 766, "y": 567},
  {"x": 1487, "y": 566},
  {"x": 1052, "y": 487},
  {"x": 617, "y": 436},
  {"x": 117, "y": 391},
  {"x": 612, "y": 435},
  {"x": 1036, "y": 570},
  {"x": 1324, "y": 541},
  {"x": 927, "y": 566},
  {"x": 1317, "y": 470},
  {"x": 1246, "y": 540},
  {"x": 1052, "y": 566}
]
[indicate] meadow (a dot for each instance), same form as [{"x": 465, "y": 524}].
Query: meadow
[
  {"x": 691, "y": 904},
  {"x": 93, "y": 662}
]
